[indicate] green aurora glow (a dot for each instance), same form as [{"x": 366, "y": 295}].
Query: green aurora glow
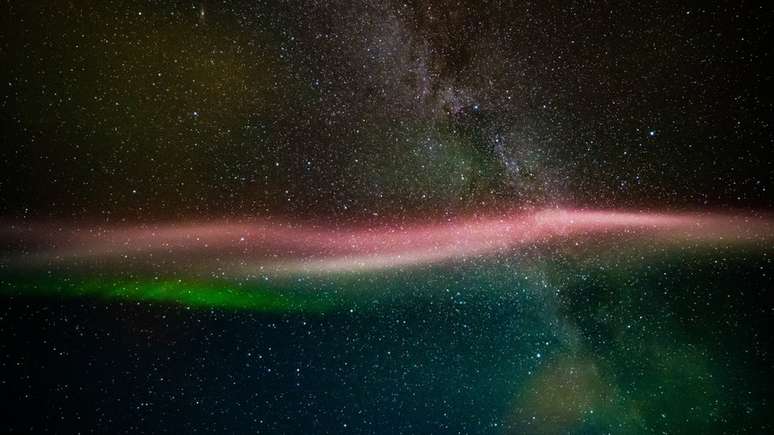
[{"x": 193, "y": 294}]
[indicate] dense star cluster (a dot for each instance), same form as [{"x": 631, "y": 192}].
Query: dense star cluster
[{"x": 384, "y": 216}]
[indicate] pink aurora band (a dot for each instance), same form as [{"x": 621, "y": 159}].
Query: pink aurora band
[{"x": 249, "y": 248}]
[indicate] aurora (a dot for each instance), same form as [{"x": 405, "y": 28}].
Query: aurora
[
  {"x": 250, "y": 249},
  {"x": 275, "y": 266}
]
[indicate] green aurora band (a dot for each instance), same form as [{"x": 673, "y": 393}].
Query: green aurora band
[{"x": 193, "y": 294}]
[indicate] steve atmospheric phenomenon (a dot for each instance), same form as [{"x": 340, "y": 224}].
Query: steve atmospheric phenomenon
[{"x": 386, "y": 217}]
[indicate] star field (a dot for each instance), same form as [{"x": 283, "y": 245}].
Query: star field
[{"x": 386, "y": 217}]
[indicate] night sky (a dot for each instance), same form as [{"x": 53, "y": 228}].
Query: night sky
[{"x": 386, "y": 217}]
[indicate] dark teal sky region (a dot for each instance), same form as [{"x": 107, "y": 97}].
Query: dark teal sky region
[{"x": 563, "y": 344}]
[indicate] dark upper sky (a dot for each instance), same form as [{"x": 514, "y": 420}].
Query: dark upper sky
[{"x": 152, "y": 110}]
